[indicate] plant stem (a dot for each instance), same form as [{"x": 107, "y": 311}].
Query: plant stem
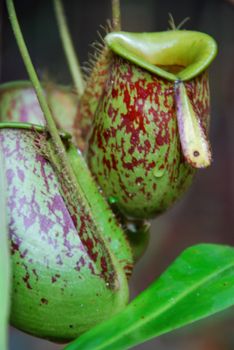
[
  {"x": 68, "y": 47},
  {"x": 54, "y": 133},
  {"x": 116, "y": 15}
]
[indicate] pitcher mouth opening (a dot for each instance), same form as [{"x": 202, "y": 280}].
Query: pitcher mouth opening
[{"x": 174, "y": 55}]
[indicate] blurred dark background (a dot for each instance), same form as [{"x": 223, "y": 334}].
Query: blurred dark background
[{"x": 205, "y": 214}]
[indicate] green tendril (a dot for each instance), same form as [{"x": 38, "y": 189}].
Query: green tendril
[
  {"x": 62, "y": 159},
  {"x": 68, "y": 47},
  {"x": 116, "y": 15}
]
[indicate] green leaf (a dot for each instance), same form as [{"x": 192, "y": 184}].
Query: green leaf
[
  {"x": 199, "y": 283},
  {"x": 4, "y": 263}
]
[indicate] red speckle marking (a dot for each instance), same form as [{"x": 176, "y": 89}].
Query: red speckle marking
[{"x": 114, "y": 93}]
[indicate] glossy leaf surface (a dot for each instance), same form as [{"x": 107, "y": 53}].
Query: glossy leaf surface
[{"x": 199, "y": 283}]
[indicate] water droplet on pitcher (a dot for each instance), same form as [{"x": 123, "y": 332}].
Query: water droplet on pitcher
[
  {"x": 100, "y": 190},
  {"x": 159, "y": 172},
  {"x": 112, "y": 200}
]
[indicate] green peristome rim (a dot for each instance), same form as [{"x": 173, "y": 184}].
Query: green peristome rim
[
  {"x": 16, "y": 84},
  {"x": 31, "y": 127},
  {"x": 194, "y": 51}
]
